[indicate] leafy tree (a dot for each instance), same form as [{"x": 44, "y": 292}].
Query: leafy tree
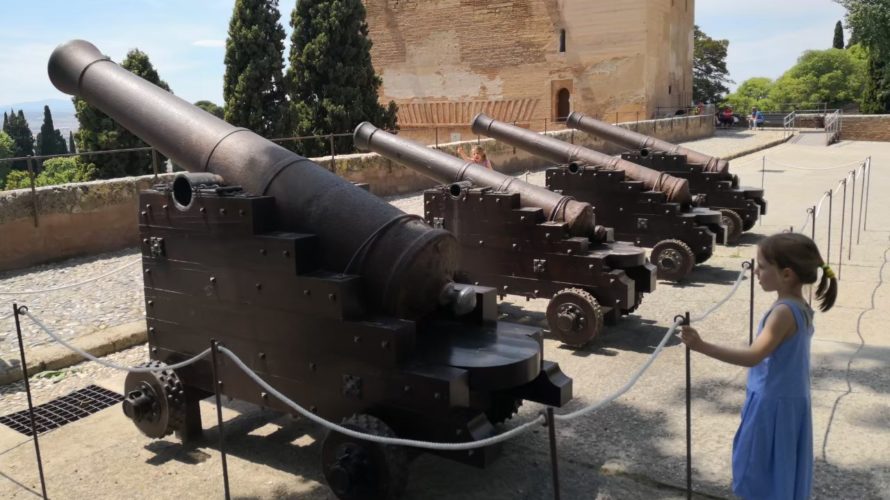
[
  {"x": 55, "y": 171},
  {"x": 332, "y": 84},
  {"x": 833, "y": 76},
  {"x": 753, "y": 92},
  {"x": 838, "y": 36},
  {"x": 709, "y": 73},
  {"x": 211, "y": 108},
  {"x": 6, "y": 147},
  {"x": 98, "y": 132},
  {"x": 253, "y": 85},
  {"x": 71, "y": 147},
  {"x": 16, "y": 126},
  {"x": 869, "y": 21},
  {"x": 50, "y": 140}
]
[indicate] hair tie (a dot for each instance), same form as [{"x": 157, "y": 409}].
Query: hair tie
[{"x": 828, "y": 271}]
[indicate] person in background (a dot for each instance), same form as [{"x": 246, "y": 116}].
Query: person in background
[
  {"x": 725, "y": 118},
  {"x": 772, "y": 453},
  {"x": 478, "y": 157},
  {"x": 756, "y": 119}
]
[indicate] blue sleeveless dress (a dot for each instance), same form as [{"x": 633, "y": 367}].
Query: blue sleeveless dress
[{"x": 772, "y": 453}]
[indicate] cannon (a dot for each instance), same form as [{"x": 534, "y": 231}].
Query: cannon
[
  {"x": 525, "y": 240},
  {"x": 342, "y": 302},
  {"x": 679, "y": 234},
  {"x": 709, "y": 177}
]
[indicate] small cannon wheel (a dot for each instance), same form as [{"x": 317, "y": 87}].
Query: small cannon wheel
[
  {"x": 357, "y": 469},
  {"x": 734, "y": 225},
  {"x": 636, "y": 304},
  {"x": 574, "y": 316},
  {"x": 155, "y": 401},
  {"x": 673, "y": 259},
  {"x": 502, "y": 408}
]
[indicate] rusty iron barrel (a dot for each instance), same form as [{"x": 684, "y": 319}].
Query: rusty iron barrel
[
  {"x": 635, "y": 140},
  {"x": 406, "y": 266},
  {"x": 677, "y": 190},
  {"x": 448, "y": 169}
]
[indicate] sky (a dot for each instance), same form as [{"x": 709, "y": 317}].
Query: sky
[{"x": 185, "y": 39}]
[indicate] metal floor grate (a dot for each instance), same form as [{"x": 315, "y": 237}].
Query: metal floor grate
[{"x": 64, "y": 410}]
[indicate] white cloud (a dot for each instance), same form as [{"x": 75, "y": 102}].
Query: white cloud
[{"x": 209, "y": 43}]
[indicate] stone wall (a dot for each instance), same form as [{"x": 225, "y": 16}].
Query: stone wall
[
  {"x": 100, "y": 216},
  {"x": 865, "y": 128}
]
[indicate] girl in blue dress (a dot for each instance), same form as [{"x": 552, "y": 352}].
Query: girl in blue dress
[{"x": 772, "y": 453}]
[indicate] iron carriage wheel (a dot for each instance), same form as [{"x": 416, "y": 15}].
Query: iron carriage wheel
[
  {"x": 502, "y": 408},
  {"x": 575, "y": 317},
  {"x": 155, "y": 401},
  {"x": 673, "y": 258},
  {"x": 357, "y": 469},
  {"x": 734, "y": 225}
]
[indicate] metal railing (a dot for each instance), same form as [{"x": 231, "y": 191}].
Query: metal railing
[
  {"x": 789, "y": 124},
  {"x": 832, "y": 127}
]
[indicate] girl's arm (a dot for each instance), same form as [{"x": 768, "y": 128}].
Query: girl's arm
[{"x": 779, "y": 326}]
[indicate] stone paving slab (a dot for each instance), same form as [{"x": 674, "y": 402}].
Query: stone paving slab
[{"x": 632, "y": 448}]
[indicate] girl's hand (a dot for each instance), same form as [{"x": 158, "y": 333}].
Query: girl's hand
[{"x": 690, "y": 337}]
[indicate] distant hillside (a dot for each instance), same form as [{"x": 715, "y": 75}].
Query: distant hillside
[{"x": 61, "y": 109}]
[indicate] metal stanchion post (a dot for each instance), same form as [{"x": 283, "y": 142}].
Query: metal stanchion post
[
  {"x": 436, "y": 129},
  {"x": 333, "y": 153},
  {"x": 861, "y": 200},
  {"x": 840, "y": 257},
  {"x": 867, "y": 189},
  {"x": 219, "y": 420},
  {"x": 852, "y": 213},
  {"x": 551, "y": 431},
  {"x": 828, "y": 244},
  {"x": 154, "y": 162},
  {"x": 16, "y": 311},
  {"x": 813, "y": 236},
  {"x": 762, "y": 181},
  {"x": 749, "y": 265},
  {"x": 684, "y": 321}
]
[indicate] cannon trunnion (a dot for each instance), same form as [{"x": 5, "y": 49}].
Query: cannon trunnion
[
  {"x": 741, "y": 206},
  {"x": 680, "y": 236},
  {"x": 519, "y": 252},
  {"x": 220, "y": 269}
]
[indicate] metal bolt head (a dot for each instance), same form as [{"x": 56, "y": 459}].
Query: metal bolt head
[
  {"x": 384, "y": 344},
  {"x": 285, "y": 253},
  {"x": 262, "y": 355},
  {"x": 202, "y": 210},
  {"x": 259, "y": 286},
  {"x": 312, "y": 366},
  {"x": 213, "y": 279},
  {"x": 356, "y": 339},
  {"x": 262, "y": 251},
  {"x": 264, "y": 395},
  {"x": 307, "y": 292},
  {"x": 332, "y": 297},
  {"x": 222, "y": 211},
  {"x": 165, "y": 207}
]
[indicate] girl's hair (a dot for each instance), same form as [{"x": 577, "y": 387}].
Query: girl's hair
[
  {"x": 478, "y": 149},
  {"x": 799, "y": 253}
]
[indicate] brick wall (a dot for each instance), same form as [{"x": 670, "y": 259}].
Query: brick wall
[
  {"x": 865, "y": 128},
  {"x": 100, "y": 216}
]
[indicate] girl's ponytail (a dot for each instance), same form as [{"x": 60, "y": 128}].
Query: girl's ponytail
[{"x": 826, "y": 292}]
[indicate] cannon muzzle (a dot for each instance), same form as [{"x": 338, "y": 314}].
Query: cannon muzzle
[
  {"x": 447, "y": 169},
  {"x": 635, "y": 140},
  {"x": 406, "y": 266},
  {"x": 677, "y": 190}
]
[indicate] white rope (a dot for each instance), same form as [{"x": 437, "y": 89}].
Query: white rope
[
  {"x": 633, "y": 380},
  {"x": 63, "y": 287},
  {"x": 821, "y": 200},
  {"x": 786, "y": 165},
  {"x": 109, "y": 364},
  {"x": 372, "y": 437}
]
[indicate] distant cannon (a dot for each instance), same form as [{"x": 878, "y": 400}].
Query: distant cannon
[
  {"x": 524, "y": 239},
  {"x": 709, "y": 177},
  {"x": 342, "y": 302},
  {"x": 680, "y": 235}
]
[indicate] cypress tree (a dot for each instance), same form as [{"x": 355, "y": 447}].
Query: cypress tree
[
  {"x": 23, "y": 141},
  {"x": 50, "y": 140},
  {"x": 5, "y": 122},
  {"x": 98, "y": 132},
  {"x": 71, "y": 148},
  {"x": 332, "y": 84},
  {"x": 838, "y": 36},
  {"x": 253, "y": 85}
]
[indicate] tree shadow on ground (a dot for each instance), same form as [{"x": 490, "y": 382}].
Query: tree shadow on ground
[{"x": 68, "y": 262}]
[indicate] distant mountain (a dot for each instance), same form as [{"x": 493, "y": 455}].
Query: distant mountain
[{"x": 64, "y": 118}]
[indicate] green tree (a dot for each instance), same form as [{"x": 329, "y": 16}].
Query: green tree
[
  {"x": 709, "y": 74},
  {"x": 16, "y": 126},
  {"x": 6, "y": 147},
  {"x": 55, "y": 171},
  {"x": 71, "y": 147},
  {"x": 211, "y": 108},
  {"x": 50, "y": 140},
  {"x": 753, "y": 92},
  {"x": 869, "y": 23},
  {"x": 838, "y": 36},
  {"x": 833, "y": 76},
  {"x": 98, "y": 132},
  {"x": 253, "y": 85},
  {"x": 332, "y": 84}
]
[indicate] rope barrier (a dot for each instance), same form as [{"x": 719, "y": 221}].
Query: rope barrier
[
  {"x": 73, "y": 285},
  {"x": 786, "y": 165},
  {"x": 398, "y": 441}
]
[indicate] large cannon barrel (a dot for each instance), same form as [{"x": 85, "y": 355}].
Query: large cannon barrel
[
  {"x": 447, "y": 169},
  {"x": 636, "y": 140},
  {"x": 677, "y": 190},
  {"x": 406, "y": 266}
]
